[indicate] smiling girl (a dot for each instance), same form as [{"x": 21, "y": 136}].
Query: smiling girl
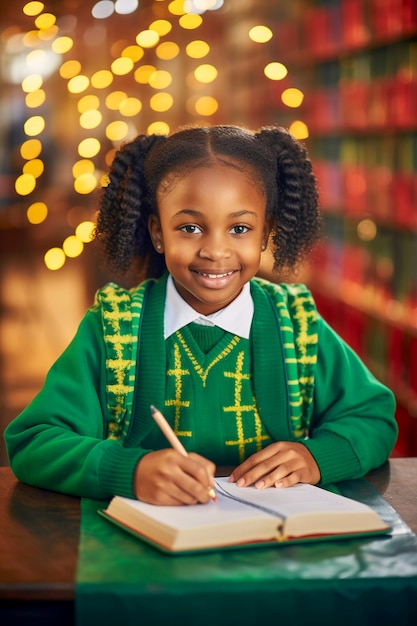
[{"x": 247, "y": 372}]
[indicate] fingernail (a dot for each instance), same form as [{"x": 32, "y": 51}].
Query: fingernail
[
  {"x": 231, "y": 479},
  {"x": 260, "y": 484},
  {"x": 240, "y": 482},
  {"x": 278, "y": 485}
]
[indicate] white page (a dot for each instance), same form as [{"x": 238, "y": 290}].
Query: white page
[{"x": 298, "y": 499}]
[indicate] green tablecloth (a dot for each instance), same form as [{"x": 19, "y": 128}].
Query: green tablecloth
[{"x": 121, "y": 580}]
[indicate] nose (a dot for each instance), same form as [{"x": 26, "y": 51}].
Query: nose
[{"x": 215, "y": 248}]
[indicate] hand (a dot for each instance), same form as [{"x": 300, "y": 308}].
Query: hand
[
  {"x": 166, "y": 477},
  {"x": 280, "y": 464}
]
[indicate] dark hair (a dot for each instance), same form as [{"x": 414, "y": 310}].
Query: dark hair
[{"x": 274, "y": 157}]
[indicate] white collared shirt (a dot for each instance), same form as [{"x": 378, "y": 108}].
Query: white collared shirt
[{"x": 235, "y": 318}]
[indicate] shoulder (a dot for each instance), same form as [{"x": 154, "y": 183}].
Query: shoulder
[
  {"x": 114, "y": 293},
  {"x": 292, "y": 295}
]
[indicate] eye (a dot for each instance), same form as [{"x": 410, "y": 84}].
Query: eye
[
  {"x": 190, "y": 229},
  {"x": 239, "y": 229}
]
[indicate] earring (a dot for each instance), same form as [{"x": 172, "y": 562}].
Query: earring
[{"x": 158, "y": 246}]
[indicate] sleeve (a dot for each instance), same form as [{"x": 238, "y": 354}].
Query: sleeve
[
  {"x": 353, "y": 427},
  {"x": 58, "y": 442}
]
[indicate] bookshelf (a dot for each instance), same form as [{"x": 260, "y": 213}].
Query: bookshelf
[{"x": 356, "y": 62}]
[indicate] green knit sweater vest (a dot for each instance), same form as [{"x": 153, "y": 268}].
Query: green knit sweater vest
[{"x": 266, "y": 383}]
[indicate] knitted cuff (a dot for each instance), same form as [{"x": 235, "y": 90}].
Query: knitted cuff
[
  {"x": 117, "y": 469},
  {"x": 334, "y": 456}
]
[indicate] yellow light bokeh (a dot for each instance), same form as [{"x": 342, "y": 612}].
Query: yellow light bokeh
[
  {"x": 78, "y": 84},
  {"x": 161, "y": 102},
  {"x": 35, "y": 99},
  {"x": 299, "y": 129},
  {"x": 275, "y": 71},
  {"x": 85, "y": 231},
  {"x": 143, "y": 73},
  {"x": 162, "y": 27},
  {"x": 197, "y": 49},
  {"x": 205, "y": 73},
  {"x": 84, "y": 166},
  {"x": 85, "y": 183},
  {"x": 114, "y": 99},
  {"x": 69, "y": 69},
  {"x": 45, "y": 21},
  {"x": 61, "y": 45},
  {"x": 33, "y": 82},
  {"x": 35, "y": 167},
  {"x": 86, "y": 103},
  {"x": 160, "y": 79},
  {"x": 158, "y": 128},
  {"x": 176, "y": 7},
  {"x": 133, "y": 52},
  {"x": 122, "y": 66},
  {"x": 33, "y": 8},
  {"x": 30, "y": 149},
  {"x": 54, "y": 259},
  {"x": 72, "y": 246},
  {"x": 260, "y": 34},
  {"x": 167, "y": 50},
  {"x": 102, "y": 79},
  {"x": 25, "y": 184},
  {"x": 90, "y": 119},
  {"x": 147, "y": 38},
  {"x": 88, "y": 148},
  {"x": 37, "y": 213},
  {"x": 190, "y": 21},
  {"x": 206, "y": 105},
  {"x": 34, "y": 125},
  {"x": 367, "y": 230},
  {"x": 130, "y": 107},
  {"x": 292, "y": 97},
  {"x": 116, "y": 131}
]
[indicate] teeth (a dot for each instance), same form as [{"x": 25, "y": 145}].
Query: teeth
[{"x": 217, "y": 275}]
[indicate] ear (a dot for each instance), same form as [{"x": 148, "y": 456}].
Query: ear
[
  {"x": 155, "y": 231},
  {"x": 266, "y": 233}
]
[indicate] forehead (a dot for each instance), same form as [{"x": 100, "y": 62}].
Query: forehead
[{"x": 219, "y": 171}]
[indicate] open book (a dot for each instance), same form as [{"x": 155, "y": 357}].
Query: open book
[{"x": 246, "y": 517}]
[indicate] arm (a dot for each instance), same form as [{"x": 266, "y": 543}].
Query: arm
[
  {"x": 353, "y": 428},
  {"x": 58, "y": 442}
]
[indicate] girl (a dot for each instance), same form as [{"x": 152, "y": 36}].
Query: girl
[{"x": 247, "y": 372}]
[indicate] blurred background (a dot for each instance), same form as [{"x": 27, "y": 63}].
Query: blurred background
[{"x": 80, "y": 77}]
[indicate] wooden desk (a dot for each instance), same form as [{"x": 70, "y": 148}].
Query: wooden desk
[{"x": 39, "y": 541}]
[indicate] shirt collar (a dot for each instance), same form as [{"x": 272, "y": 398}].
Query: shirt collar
[{"x": 235, "y": 318}]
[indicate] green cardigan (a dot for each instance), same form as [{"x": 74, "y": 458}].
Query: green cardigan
[{"x": 61, "y": 440}]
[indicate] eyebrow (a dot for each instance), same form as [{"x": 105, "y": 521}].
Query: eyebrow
[{"x": 195, "y": 213}]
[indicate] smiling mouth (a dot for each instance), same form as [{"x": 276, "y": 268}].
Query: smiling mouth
[{"x": 211, "y": 275}]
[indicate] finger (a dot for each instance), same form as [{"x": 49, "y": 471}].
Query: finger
[
  {"x": 210, "y": 468},
  {"x": 254, "y": 467},
  {"x": 283, "y": 476}
]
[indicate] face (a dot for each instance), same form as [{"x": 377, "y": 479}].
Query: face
[{"x": 212, "y": 228}]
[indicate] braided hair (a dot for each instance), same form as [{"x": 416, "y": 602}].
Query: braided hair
[{"x": 149, "y": 164}]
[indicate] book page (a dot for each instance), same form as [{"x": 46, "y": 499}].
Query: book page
[{"x": 300, "y": 499}]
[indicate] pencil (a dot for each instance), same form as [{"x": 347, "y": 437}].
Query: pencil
[{"x": 173, "y": 439}]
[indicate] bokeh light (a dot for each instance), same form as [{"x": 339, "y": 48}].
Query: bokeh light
[
  {"x": 54, "y": 259},
  {"x": 37, "y": 213},
  {"x": 292, "y": 97},
  {"x": 275, "y": 71},
  {"x": 260, "y": 34}
]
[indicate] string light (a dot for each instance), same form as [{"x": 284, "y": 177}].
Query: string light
[{"x": 144, "y": 57}]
